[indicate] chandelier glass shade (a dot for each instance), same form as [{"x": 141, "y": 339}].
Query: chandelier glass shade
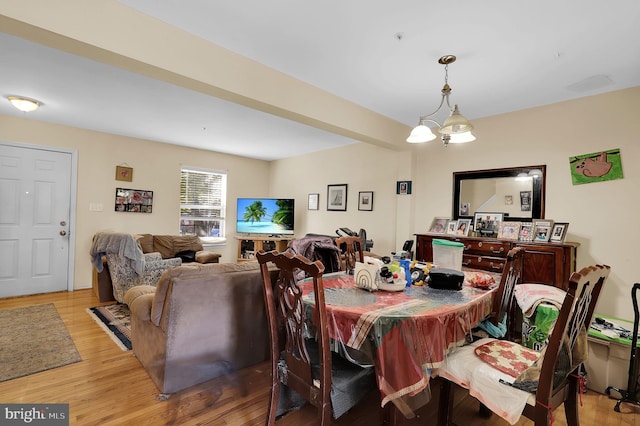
[{"x": 455, "y": 129}]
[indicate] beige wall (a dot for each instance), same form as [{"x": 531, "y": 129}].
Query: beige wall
[
  {"x": 156, "y": 167},
  {"x": 602, "y": 216}
]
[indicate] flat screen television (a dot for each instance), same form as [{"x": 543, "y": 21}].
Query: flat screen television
[{"x": 272, "y": 216}]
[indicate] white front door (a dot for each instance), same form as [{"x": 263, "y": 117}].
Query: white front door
[{"x": 35, "y": 200}]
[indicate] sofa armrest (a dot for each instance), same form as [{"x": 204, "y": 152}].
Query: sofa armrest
[
  {"x": 134, "y": 292},
  {"x": 205, "y": 256},
  {"x": 141, "y": 307},
  {"x": 148, "y": 257}
]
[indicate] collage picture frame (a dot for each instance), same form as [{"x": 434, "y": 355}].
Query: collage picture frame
[{"x": 133, "y": 200}]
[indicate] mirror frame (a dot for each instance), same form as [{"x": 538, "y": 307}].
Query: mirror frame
[{"x": 538, "y": 195}]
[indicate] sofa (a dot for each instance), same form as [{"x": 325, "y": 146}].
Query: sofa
[
  {"x": 187, "y": 247},
  {"x": 162, "y": 250},
  {"x": 199, "y": 322}
]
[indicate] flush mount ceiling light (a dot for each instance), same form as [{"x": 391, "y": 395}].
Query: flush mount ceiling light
[
  {"x": 455, "y": 129},
  {"x": 24, "y": 104}
]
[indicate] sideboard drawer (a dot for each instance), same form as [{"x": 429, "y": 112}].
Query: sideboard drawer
[
  {"x": 544, "y": 263},
  {"x": 486, "y": 263},
  {"x": 487, "y": 247}
]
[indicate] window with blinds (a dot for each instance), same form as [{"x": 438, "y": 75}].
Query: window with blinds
[{"x": 202, "y": 203}]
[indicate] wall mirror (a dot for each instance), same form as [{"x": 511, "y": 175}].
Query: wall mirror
[{"x": 518, "y": 192}]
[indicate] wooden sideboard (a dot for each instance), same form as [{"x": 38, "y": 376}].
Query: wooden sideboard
[{"x": 544, "y": 263}]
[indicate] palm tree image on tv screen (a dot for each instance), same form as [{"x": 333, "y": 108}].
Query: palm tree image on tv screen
[{"x": 265, "y": 216}]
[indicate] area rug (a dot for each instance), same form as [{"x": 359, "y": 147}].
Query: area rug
[
  {"x": 115, "y": 321},
  {"x": 34, "y": 339}
]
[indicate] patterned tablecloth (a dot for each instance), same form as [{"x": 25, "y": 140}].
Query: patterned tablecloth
[{"x": 406, "y": 333}]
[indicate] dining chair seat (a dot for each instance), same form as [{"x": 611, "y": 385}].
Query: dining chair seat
[{"x": 349, "y": 383}]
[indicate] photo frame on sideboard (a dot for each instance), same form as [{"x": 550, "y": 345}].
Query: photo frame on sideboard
[
  {"x": 509, "y": 231},
  {"x": 439, "y": 225},
  {"x": 451, "y": 227},
  {"x": 526, "y": 232},
  {"x": 487, "y": 222},
  {"x": 462, "y": 227},
  {"x": 559, "y": 232}
]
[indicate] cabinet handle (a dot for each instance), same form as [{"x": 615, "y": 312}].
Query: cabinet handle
[
  {"x": 499, "y": 267},
  {"x": 497, "y": 251},
  {"x": 467, "y": 263},
  {"x": 467, "y": 247}
]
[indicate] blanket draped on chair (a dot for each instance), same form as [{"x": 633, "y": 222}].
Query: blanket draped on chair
[{"x": 124, "y": 245}]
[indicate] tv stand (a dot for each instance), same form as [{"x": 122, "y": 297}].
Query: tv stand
[{"x": 249, "y": 245}]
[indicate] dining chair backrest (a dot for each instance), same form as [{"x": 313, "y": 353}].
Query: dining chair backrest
[
  {"x": 553, "y": 378},
  {"x": 352, "y": 252},
  {"x": 285, "y": 309},
  {"x": 504, "y": 296},
  {"x": 568, "y": 339}
]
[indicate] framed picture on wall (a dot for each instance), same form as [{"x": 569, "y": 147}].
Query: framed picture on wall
[
  {"x": 313, "y": 201},
  {"x": 337, "y": 197},
  {"x": 365, "y": 201},
  {"x": 403, "y": 187},
  {"x": 124, "y": 173}
]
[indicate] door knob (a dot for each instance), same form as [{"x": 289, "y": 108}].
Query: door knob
[{"x": 63, "y": 232}]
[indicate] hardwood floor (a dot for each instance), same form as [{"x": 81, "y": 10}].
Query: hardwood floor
[{"x": 110, "y": 387}]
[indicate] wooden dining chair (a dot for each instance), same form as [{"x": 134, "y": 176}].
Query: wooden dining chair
[
  {"x": 302, "y": 361},
  {"x": 500, "y": 323},
  {"x": 352, "y": 252},
  {"x": 540, "y": 381}
]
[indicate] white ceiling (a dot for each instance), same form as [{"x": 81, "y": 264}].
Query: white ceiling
[{"x": 376, "y": 53}]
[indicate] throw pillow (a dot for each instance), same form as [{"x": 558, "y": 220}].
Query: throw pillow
[
  {"x": 146, "y": 242},
  {"x": 163, "y": 244}
]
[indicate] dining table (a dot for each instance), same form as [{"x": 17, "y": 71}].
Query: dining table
[{"x": 402, "y": 334}]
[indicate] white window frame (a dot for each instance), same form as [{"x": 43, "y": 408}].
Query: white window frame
[{"x": 209, "y": 240}]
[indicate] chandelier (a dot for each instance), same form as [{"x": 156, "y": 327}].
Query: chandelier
[{"x": 455, "y": 129}]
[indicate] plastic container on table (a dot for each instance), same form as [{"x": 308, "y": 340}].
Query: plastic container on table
[{"x": 447, "y": 254}]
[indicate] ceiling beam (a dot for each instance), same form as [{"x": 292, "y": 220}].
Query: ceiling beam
[{"x": 114, "y": 34}]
